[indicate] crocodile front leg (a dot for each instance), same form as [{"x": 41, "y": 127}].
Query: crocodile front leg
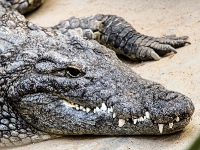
[{"x": 117, "y": 34}]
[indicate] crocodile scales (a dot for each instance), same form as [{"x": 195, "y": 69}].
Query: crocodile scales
[{"x": 61, "y": 80}]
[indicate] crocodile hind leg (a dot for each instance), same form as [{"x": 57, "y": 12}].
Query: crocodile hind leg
[
  {"x": 117, "y": 34},
  {"x": 25, "y": 6}
]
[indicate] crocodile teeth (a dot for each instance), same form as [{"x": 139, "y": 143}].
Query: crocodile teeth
[
  {"x": 114, "y": 115},
  {"x": 103, "y": 107},
  {"x": 160, "y": 126},
  {"x": 81, "y": 107},
  {"x": 97, "y": 109},
  {"x": 147, "y": 114},
  {"x": 87, "y": 110},
  {"x": 135, "y": 121},
  {"x": 170, "y": 125},
  {"x": 177, "y": 119},
  {"x": 140, "y": 119},
  {"x": 111, "y": 109},
  {"x": 121, "y": 122}
]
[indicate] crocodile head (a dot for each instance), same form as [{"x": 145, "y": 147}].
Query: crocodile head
[{"x": 67, "y": 85}]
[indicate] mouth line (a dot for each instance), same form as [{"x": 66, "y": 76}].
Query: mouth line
[{"x": 121, "y": 122}]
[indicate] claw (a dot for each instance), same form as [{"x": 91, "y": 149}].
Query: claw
[
  {"x": 186, "y": 42},
  {"x": 172, "y": 49},
  {"x": 155, "y": 56}
]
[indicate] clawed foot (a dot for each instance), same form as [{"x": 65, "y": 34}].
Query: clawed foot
[{"x": 156, "y": 47}]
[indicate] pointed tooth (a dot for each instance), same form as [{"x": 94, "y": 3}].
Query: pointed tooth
[
  {"x": 170, "y": 125},
  {"x": 87, "y": 110},
  {"x": 94, "y": 110},
  {"x": 135, "y": 121},
  {"x": 177, "y": 119},
  {"x": 81, "y": 107},
  {"x": 97, "y": 109},
  {"x": 84, "y": 109},
  {"x": 147, "y": 114},
  {"x": 160, "y": 126},
  {"x": 103, "y": 107},
  {"x": 108, "y": 110},
  {"x": 77, "y": 108},
  {"x": 114, "y": 115},
  {"x": 140, "y": 119},
  {"x": 111, "y": 109},
  {"x": 121, "y": 122}
]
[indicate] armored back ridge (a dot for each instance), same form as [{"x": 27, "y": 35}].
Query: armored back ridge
[{"x": 59, "y": 81}]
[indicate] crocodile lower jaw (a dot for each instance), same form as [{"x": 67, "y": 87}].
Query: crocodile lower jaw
[{"x": 122, "y": 122}]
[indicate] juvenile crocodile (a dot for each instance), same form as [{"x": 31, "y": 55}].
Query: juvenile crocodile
[{"x": 59, "y": 81}]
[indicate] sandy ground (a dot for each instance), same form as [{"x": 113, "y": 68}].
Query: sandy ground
[{"x": 178, "y": 72}]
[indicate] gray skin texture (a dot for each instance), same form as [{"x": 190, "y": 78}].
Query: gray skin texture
[
  {"x": 25, "y": 6},
  {"x": 50, "y": 77}
]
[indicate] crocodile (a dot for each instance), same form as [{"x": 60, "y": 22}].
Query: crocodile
[{"x": 66, "y": 80}]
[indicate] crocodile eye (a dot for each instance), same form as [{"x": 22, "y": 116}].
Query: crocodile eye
[{"x": 74, "y": 71}]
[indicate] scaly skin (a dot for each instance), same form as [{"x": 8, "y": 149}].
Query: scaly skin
[
  {"x": 117, "y": 34},
  {"x": 57, "y": 83},
  {"x": 25, "y": 6}
]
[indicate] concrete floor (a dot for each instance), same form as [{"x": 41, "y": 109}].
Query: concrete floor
[{"x": 178, "y": 72}]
